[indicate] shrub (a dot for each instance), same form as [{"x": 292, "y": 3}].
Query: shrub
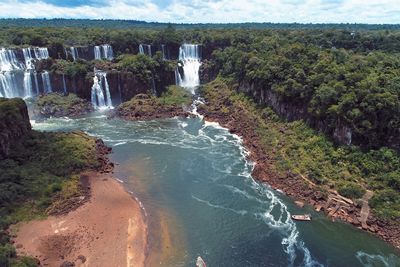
[{"x": 351, "y": 190}]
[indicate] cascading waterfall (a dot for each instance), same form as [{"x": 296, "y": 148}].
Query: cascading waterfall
[
  {"x": 46, "y": 82},
  {"x": 164, "y": 52},
  {"x": 190, "y": 62},
  {"x": 9, "y": 61},
  {"x": 36, "y": 83},
  {"x": 97, "y": 52},
  {"x": 41, "y": 53},
  {"x": 64, "y": 85},
  {"x": 103, "y": 52},
  {"x": 16, "y": 75},
  {"x": 145, "y": 49},
  {"x": 8, "y": 85},
  {"x": 74, "y": 52},
  {"x": 28, "y": 58},
  {"x": 28, "y": 90},
  {"x": 100, "y": 86}
]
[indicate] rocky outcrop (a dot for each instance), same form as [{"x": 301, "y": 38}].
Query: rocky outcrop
[
  {"x": 14, "y": 123},
  {"x": 289, "y": 110},
  {"x": 145, "y": 107},
  {"x": 58, "y": 105}
]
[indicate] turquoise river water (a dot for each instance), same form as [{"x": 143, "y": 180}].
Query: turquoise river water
[{"x": 194, "y": 183}]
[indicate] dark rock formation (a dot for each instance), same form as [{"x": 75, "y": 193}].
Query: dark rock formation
[{"x": 14, "y": 123}]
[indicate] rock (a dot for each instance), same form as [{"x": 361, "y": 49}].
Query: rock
[
  {"x": 299, "y": 203},
  {"x": 318, "y": 207},
  {"x": 82, "y": 258},
  {"x": 67, "y": 264}
]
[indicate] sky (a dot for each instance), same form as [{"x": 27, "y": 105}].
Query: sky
[{"x": 207, "y": 11}]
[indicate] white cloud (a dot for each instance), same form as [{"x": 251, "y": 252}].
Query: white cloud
[{"x": 195, "y": 11}]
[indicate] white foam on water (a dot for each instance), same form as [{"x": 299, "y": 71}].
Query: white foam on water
[
  {"x": 120, "y": 143},
  {"x": 373, "y": 260},
  {"x": 276, "y": 215},
  {"x": 208, "y": 203},
  {"x": 119, "y": 180}
]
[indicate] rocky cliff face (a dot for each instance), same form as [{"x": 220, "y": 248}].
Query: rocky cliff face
[
  {"x": 341, "y": 132},
  {"x": 123, "y": 85},
  {"x": 14, "y": 123}
]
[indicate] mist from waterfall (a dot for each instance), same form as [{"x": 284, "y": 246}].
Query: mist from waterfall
[
  {"x": 100, "y": 95},
  {"x": 189, "y": 62}
]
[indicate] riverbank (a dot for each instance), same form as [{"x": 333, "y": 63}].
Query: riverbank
[
  {"x": 241, "y": 117},
  {"x": 108, "y": 230}
]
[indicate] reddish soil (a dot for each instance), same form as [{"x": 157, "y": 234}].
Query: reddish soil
[{"x": 107, "y": 230}]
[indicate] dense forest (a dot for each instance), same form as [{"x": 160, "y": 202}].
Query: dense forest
[{"x": 342, "y": 80}]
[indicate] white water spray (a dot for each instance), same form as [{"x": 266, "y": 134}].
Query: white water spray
[
  {"x": 100, "y": 95},
  {"x": 189, "y": 56}
]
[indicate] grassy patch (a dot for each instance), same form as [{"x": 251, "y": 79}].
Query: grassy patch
[
  {"x": 175, "y": 95},
  {"x": 55, "y": 104},
  {"x": 295, "y": 146},
  {"x": 40, "y": 169}
]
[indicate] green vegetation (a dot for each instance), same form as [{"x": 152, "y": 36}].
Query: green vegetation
[
  {"x": 169, "y": 104},
  {"x": 145, "y": 67},
  {"x": 41, "y": 168},
  {"x": 57, "y": 105},
  {"x": 175, "y": 95},
  {"x": 10, "y": 113},
  {"x": 295, "y": 146},
  {"x": 334, "y": 86}
]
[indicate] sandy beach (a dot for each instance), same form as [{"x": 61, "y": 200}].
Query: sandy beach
[{"x": 108, "y": 230}]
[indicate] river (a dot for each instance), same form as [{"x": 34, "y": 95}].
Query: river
[{"x": 195, "y": 184}]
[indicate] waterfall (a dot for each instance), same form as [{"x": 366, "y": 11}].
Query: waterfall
[
  {"x": 100, "y": 86},
  {"x": 145, "y": 49},
  {"x": 64, "y": 85},
  {"x": 9, "y": 61},
  {"x": 164, "y": 52},
  {"x": 28, "y": 90},
  {"x": 97, "y": 52},
  {"x": 189, "y": 56},
  {"x": 18, "y": 77},
  {"x": 46, "y": 82},
  {"x": 8, "y": 85},
  {"x": 41, "y": 53},
  {"x": 103, "y": 51},
  {"x": 28, "y": 58},
  {"x": 108, "y": 51},
  {"x": 36, "y": 83},
  {"x": 74, "y": 52}
]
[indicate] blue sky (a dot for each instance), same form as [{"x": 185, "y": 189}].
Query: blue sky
[{"x": 195, "y": 11}]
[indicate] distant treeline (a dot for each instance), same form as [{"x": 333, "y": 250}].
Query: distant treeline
[{"x": 121, "y": 24}]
